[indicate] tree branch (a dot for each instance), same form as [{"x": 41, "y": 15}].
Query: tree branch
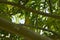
[
  {"x": 39, "y": 28},
  {"x": 50, "y": 6},
  {"x": 20, "y": 30},
  {"x": 30, "y": 9}
]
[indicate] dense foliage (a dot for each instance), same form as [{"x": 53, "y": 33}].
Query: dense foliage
[{"x": 38, "y": 16}]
